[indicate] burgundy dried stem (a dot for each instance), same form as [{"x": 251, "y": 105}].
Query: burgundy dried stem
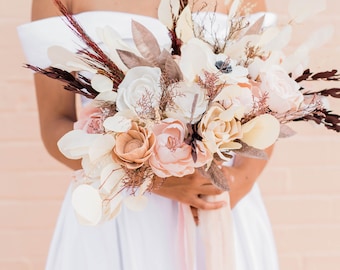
[{"x": 118, "y": 75}]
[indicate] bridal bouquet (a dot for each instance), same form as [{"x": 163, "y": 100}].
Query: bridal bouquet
[{"x": 168, "y": 111}]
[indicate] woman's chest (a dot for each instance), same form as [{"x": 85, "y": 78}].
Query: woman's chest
[{"x": 146, "y": 8}]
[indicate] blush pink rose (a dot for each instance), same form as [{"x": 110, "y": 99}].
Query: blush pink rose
[
  {"x": 90, "y": 120},
  {"x": 172, "y": 156},
  {"x": 283, "y": 92}
]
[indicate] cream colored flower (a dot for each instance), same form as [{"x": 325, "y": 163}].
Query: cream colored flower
[
  {"x": 140, "y": 85},
  {"x": 134, "y": 147},
  {"x": 197, "y": 57},
  {"x": 236, "y": 98},
  {"x": 219, "y": 129},
  {"x": 283, "y": 92},
  {"x": 190, "y": 103}
]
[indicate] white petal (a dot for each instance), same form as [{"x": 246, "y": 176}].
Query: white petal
[
  {"x": 115, "y": 206},
  {"x": 101, "y": 83},
  {"x": 101, "y": 146},
  {"x": 117, "y": 123},
  {"x": 261, "y": 132},
  {"x": 320, "y": 37},
  {"x": 114, "y": 41},
  {"x": 280, "y": 40},
  {"x": 227, "y": 92},
  {"x": 90, "y": 170},
  {"x": 303, "y": 9},
  {"x": 75, "y": 144},
  {"x": 299, "y": 57},
  {"x": 145, "y": 185},
  {"x": 87, "y": 204},
  {"x": 67, "y": 60},
  {"x": 168, "y": 9},
  {"x": 184, "y": 25},
  {"x": 107, "y": 96},
  {"x": 111, "y": 177},
  {"x": 228, "y": 114},
  {"x": 234, "y": 8},
  {"x": 136, "y": 203}
]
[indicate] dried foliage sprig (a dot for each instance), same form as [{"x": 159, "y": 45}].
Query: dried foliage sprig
[
  {"x": 307, "y": 75},
  {"x": 209, "y": 82},
  {"x": 79, "y": 85},
  {"x": 98, "y": 54},
  {"x": 323, "y": 116}
]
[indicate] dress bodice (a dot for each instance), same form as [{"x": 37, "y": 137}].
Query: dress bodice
[{"x": 37, "y": 36}]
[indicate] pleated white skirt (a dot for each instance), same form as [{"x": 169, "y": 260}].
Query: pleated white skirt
[{"x": 147, "y": 240}]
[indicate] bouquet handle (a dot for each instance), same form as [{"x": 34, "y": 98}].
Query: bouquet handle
[{"x": 216, "y": 232}]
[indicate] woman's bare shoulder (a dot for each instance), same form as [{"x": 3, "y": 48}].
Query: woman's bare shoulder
[{"x": 42, "y": 9}]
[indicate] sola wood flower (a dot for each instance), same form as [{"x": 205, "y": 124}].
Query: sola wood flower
[
  {"x": 261, "y": 132},
  {"x": 282, "y": 91},
  {"x": 189, "y": 104},
  {"x": 140, "y": 91},
  {"x": 171, "y": 155},
  {"x": 134, "y": 147},
  {"x": 90, "y": 120},
  {"x": 220, "y": 130},
  {"x": 227, "y": 91}
]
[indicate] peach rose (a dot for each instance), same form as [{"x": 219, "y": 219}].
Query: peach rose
[
  {"x": 134, "y": 147},
  {"x": 172, "y": 156}
]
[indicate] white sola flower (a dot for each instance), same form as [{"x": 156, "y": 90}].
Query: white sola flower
[
  {"x": 190, "y": 103},
  {"x": 198, "y": 56},
  {"x": 283, "y": 91},
  {"x": 139, "y": 83}
]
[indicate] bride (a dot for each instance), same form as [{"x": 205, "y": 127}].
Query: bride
[{"x": 146, "y": 240}]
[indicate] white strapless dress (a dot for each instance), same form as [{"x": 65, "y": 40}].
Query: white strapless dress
[{"x": 138, "y": 240}]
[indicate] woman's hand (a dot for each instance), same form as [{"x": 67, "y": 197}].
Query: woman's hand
[{"x": 189, "y": 190}]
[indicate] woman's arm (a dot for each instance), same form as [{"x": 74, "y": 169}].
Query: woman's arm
[
  {"x": 243, "y": 175},
  {"x": 57, "y": 114},
  {"x": 241, "y": 178},
  {"x": 56, "y": 106}
]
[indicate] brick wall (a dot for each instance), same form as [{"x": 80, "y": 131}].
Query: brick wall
[{"x": 301, "y": 184}]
